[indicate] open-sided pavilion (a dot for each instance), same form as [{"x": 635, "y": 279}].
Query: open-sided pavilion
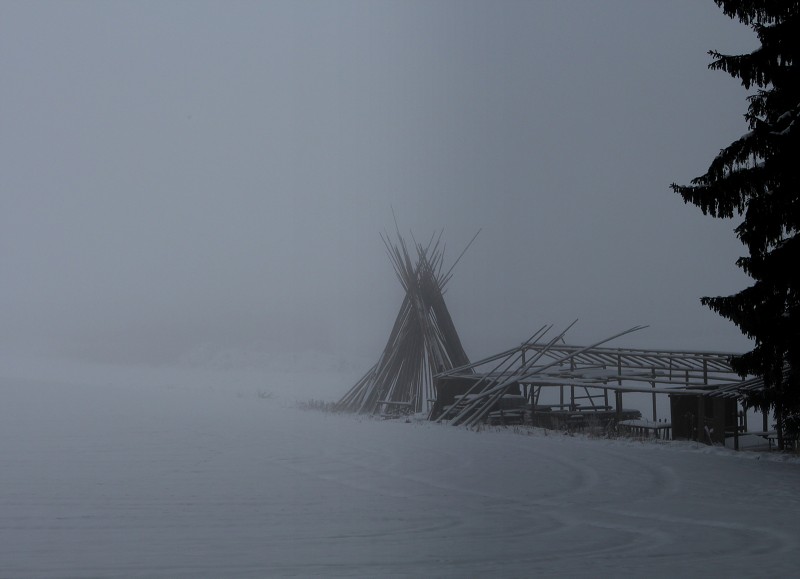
[{"x": 563, "y": 385}]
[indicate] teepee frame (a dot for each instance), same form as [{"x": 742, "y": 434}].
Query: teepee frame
[{"x": 423, "y": 341}]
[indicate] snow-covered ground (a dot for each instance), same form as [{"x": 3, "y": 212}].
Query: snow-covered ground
[{"x": 214, "y": 473}]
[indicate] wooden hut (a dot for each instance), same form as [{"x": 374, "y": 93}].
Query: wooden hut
[{"x": 703, "y": 417}]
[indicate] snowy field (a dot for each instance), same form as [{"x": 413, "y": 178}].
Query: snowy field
[{"x": 111, "y": 473}]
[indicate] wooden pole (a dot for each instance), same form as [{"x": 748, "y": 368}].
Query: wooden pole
[
  {"x": 653, "y": 383},
  {"x": 701, "y": 417},
  {"x": 572, "y": 406}
]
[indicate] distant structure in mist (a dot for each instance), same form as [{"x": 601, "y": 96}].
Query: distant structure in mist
[{"x": 423, "y": 341}]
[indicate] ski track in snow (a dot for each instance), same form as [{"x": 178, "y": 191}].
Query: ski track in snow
[{"x": 155, "y": 482}]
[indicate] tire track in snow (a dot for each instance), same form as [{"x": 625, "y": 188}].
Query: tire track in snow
[
  {"x": 755, "y": 540},
  {"x": 589, "y": 481},
  {"x": 536, "y": 509},
  {"x": 663, "y": 483},
  {"x": 568, "y": 509},
  {"x": 394, "y": 468},
  {"x": 584, "y": 479},
  {"x": 352, "y": 479},
  {"x": 663, "y": 480},
  {"x": 666, "y": 484}
]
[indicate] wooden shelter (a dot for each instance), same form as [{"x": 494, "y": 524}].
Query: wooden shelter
[
  {"x": 423, "y": 368},
  {"x": 520, "y": 372},
  {"x": 586, "y": 385},
  {"x": 423, "y": 340}
]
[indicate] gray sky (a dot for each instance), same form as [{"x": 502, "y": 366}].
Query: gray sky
[{"x": 194, "y": 176}]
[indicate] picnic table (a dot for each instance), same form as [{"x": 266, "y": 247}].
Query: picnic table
[{"x": 646, "y": 428}]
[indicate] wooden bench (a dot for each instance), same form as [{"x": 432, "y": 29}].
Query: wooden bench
[
  {"x": 647, "y": 428},
  {"x": 506, "y": 417}
]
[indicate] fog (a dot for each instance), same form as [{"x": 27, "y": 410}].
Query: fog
[
  {"x": 187, "y": 178},
  {"x": 192, "y": 196}
]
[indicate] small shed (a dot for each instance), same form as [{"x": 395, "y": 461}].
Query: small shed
[{"x": 703, "y": 417}]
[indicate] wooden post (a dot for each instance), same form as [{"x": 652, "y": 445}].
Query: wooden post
[
  {"x": 701, "y": 418},
  {"x": 653, "y": 384},
  {"x": 572, "y": 388},
  {"x": 705, "y": 370},
  {"x": 618, "y": 393}
]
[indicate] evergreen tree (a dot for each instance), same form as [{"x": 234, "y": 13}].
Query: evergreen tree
[{"x": 757, "y": 177}]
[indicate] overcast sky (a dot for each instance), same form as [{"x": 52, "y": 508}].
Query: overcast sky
[{"x": 180, "y": 177}]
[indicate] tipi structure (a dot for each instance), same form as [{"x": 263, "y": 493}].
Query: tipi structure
[{"x": 423, "y": 340}]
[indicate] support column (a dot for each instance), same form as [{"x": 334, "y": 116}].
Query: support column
[
  {"x": 653, "y": 384},
  {"x": 572, "y": 388},
  {"x": 701, "y": 419}
]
